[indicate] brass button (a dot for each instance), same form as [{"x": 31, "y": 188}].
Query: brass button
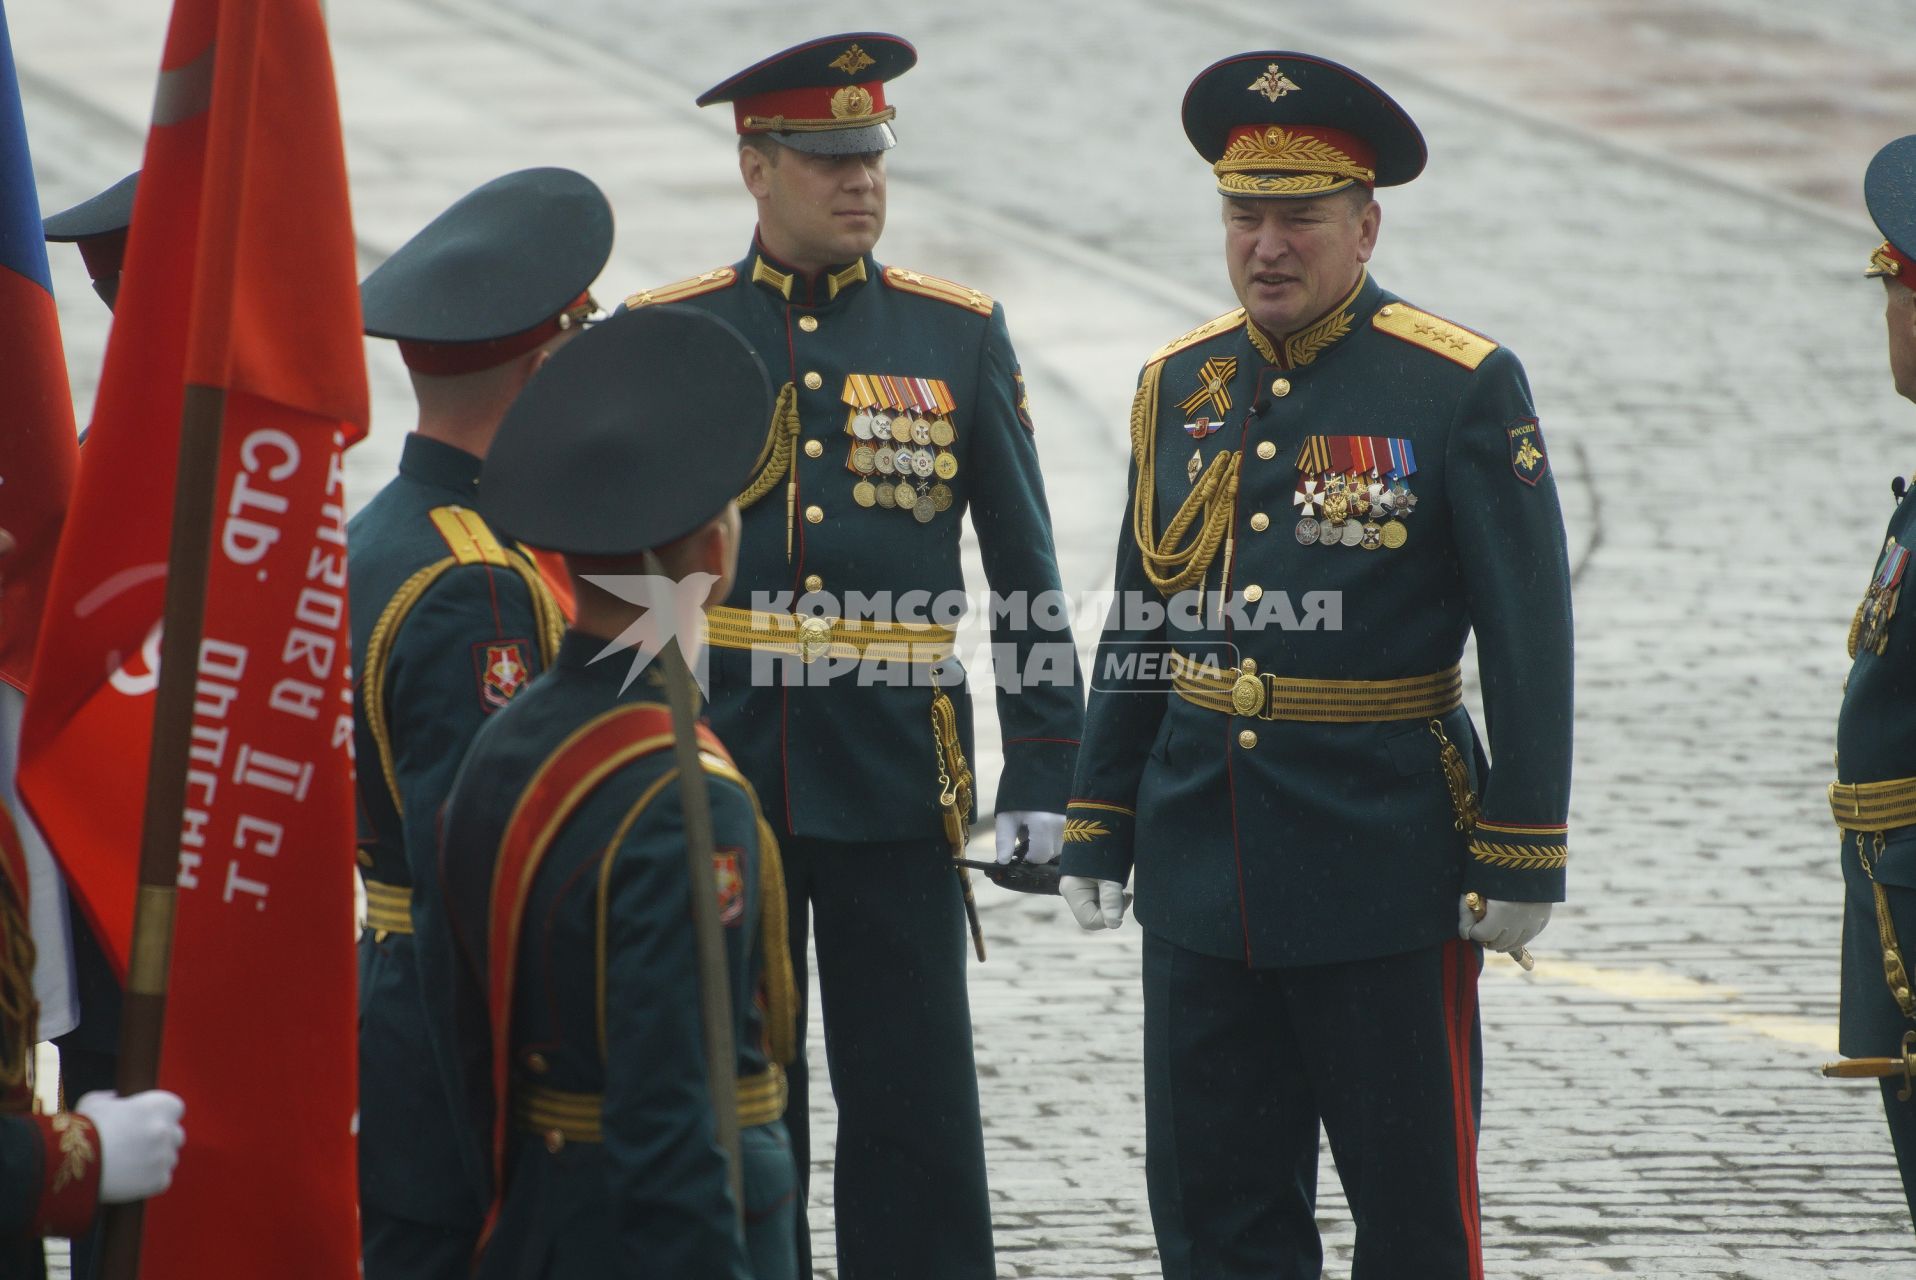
[
  {"x": 808, "y": 323},
  {"x": 1266, "y": 450},
  {"x": 1281, "y": 388},
  {"x": 814, "y": 448},
  {"x": 814, "y": 583},
  {"x": 814, "y": 515},
  {"x": 555, "y": 1141},
  {"x": 1254, "y": 593},
  {"x": 1248, "y": 666},
  {"x": 536, "y": 1063},
  {"x": 1260, "y": 522},
  {"x": 813, "y": 382},
  {"x": 1386, "y": 311},
  {"x": 1247, "y": 739}
]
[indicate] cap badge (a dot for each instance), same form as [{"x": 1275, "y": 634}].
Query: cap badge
[
  {"x": 853, "y": 61},
  {"x": 851, "y": 101},
  {"x": 1273, "y": 84}
]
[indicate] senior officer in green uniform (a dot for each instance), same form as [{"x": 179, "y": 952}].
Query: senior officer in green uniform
[
  {"x": 1330, "y": 490},
  {"x": 1874, "y": 797},
  {"x": 448, "y": 624},
  {"x": 902, "y": 408},
  {"x": 564, "y": 855}
]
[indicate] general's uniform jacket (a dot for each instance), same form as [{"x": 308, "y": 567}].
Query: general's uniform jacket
[
  {"x": 610, "y": 1163},
  {"x": 448, "y": 625},
  {"x": 857, "y": 762},
  {"x": 1874, "y": 802},
  {"x": 1332, "y": 803}
]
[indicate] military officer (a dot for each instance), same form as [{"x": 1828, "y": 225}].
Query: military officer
[
  {"x": 1330, "y": 489},
  {"x": 577, "y": 989},
  {"x": 901, "y": 409},
  {"x": 449, "y": 623},
  {"x": 56, "y": 1170},
  {"x": 1874, "y": 797}
]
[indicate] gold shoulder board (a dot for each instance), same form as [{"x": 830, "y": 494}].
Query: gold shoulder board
[
  {"x": 1433, "y": 333},
  {"x": 925, "y": 286},
  {"x": 678, "y": 291},
  {"x": 468, "y": 538},
  {"x": 1209, "y": 329}
]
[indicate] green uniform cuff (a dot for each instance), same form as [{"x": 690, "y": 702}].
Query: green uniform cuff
[
  {"x": 1037, "y": 775},
  {"x": 1098, "y": 840},
  {"x": 1518, "y": 862}
]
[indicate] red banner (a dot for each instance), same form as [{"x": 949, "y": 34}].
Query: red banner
[{"x": 240, "y": 277}]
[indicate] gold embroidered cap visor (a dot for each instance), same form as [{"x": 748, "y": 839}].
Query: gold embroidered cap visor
[
  {"x": 1889, "y": 190},
  {"x": 1281, "y": 125},
  {"x": 826, "y": 96}
]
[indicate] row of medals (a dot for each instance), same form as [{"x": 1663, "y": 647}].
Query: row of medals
[
  {"x": 896, "y": 457},
  {"x": 1354, "y": 510}
]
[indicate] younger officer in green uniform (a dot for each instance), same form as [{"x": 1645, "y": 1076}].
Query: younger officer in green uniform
[
  {"x": 1874, "y": 798},
  {"x": 448, "y": 625},
  {"x": 1330, "y": 490},
  {"x": 902, "y": 408},
  {"x": 577, "y": 993}
]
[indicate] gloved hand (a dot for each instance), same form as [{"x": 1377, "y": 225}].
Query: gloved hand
[
  {"x": 140, "y": 1141},
  {"x": 1098, "y": 904},
  {"x": 1506, "y": 926},
  {"x": 1045, "y": 830}
]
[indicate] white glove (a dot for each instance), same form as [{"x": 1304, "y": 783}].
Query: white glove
[
  {"x": 140, "y": 1141},
  {"x": 1046, "y": 832},
  {"x": 1098, "y": 904},
  {"x": 1506, "y": 926}
]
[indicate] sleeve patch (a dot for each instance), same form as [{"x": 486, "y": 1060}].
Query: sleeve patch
[
  {"x": 731, "y": 887},
  {"x": 1022, "y": 397},
  {"x": 502, "y": 668},
  {"x": 1527, "y": 457}
]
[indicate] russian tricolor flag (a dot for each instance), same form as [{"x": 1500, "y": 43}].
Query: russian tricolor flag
[{"x": 38, "y": 451}]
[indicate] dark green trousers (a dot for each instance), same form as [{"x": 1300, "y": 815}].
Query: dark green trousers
[
  {"x": 1242, "y": 1065},
  {"x": 909, "y": 1190}
]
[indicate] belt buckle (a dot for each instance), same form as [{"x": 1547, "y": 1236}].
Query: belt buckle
[
  {"x": 814, "y": 638},
  {"x": 1247, "y": 694}
]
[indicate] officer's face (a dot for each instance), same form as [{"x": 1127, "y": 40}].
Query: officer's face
[
  {"x": 1293, "y": 260},
  {"x": 1899, "y": 312},
  {"x": 816, "y": 211}
]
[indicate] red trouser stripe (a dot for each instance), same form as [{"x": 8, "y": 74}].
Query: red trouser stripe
[{"x": 1460, "y": 999}]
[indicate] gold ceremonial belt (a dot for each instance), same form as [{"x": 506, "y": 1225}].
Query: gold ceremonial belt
[
  {"x": 560, "y": 1117},
  {"x": 1245, "y": 691},
  {"x": 1873, "y": 806},
  {"x": 813, "y": 638},
  {"x": 388, "y": 907}
]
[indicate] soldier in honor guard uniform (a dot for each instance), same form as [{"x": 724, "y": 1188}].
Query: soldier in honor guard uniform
[
  {"x": 1330, "y": 489},
  {"x": 901, "y": 407},
  {"x": 57, "y": 1170},
  {"x": 577, "y": 991},
  {"x": 1874, "y": 797},
  {"x": 449, "y": 623}
]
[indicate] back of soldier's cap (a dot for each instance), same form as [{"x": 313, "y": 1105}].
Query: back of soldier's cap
[
  {"x": 635, "y": 434},
  {"x": 98, "y": 225}
]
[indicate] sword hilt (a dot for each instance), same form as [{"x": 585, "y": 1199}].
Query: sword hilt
[{"x": 1880, "y": 1068}]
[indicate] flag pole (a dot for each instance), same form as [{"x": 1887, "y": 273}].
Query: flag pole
[{"x": 144, "y": 1012}]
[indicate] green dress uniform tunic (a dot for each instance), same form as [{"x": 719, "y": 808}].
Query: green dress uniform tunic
[
  {"x": 903, "y": 409},
  {"x": 448, "y": 626},
  {"x": 1874, "y": 802},
  {"x": 610, "y": 1165},
  {"x": 1285, "y": 762}
]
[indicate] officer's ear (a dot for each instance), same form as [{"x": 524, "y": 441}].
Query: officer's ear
[{"x": 757, "y": 157}]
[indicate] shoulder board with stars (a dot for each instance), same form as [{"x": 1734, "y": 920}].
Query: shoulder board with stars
[
  {"x": 679, "y": 290},
  {"x": 959, "y": 295},
  {"x": 1203, "y": 333},
  {"x": 1433, "y": 333}
]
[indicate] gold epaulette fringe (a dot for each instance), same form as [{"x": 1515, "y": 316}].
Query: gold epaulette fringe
[
  {"x": 679, "y": 290},
  {"x": 958, "y": 295},
  {"x": 1181, "y": 557},
  {"x": 775, "y": 459}
]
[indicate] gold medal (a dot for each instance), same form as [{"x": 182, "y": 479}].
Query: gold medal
[
  {"x": 1372, "y": 536},
  {"x": 942, "y": 433},
  {"x": 905, "y": 494},
  {"x": 1337, "y": 507},
  {"x": 901, "y": 429},
  {"x": 923, "y": 510},
  {"x": 863, "y": 461},
  {"x": 920, "y": 431},
  {"x": 886, "y": 498},
  {"x": 864, "y": 493},
  {"x": 946, "y": 465},
  {"x": 1394, "y": 534},
  {"x": 921, "y": 463},
  {"x": 941, "y": 496},
  {"x": 885, "y": 458}
]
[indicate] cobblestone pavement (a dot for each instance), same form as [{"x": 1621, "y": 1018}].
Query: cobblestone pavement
[{"x": 1654, "y": 203}]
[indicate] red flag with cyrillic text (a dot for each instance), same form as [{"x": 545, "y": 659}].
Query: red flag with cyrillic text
[{"x": 239, "y": 279}]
